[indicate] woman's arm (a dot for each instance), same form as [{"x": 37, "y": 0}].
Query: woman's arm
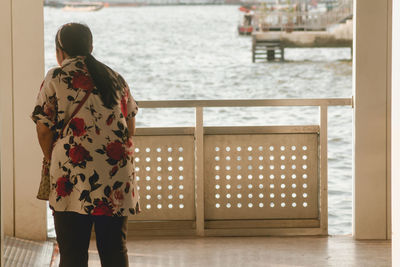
[
  {"x": 131, "y": 126},
  {"x": 45, "y": 136}
]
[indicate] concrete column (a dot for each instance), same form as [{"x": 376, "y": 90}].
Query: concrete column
[
  {"x": 6, "y": 119},
  {"x": 396, "y": 135},
  {"x": 22, "y": 71},
  {"x": 371, "y": 123},
  {"x": 6, "y": 186}
]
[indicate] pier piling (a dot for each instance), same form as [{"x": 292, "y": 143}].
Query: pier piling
[
  {"x": 270, "y": 46},
  {"x": 270, "y": 50}
]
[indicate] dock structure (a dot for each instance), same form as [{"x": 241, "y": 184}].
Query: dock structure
[
  {"x": 271, "y": 46},
  {"x": 298, "y": 17},
  {"x": 297, "y": 27}
]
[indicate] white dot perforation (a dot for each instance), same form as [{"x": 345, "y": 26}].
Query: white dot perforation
[
  {"x": 164, "y": 174},
  {"x": 258, "y": 176}
]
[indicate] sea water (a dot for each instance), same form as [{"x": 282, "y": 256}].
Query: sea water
[{"x": 194, "y": 52}]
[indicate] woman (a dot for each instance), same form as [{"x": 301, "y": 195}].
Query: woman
[{"x": 91, "y": 161}]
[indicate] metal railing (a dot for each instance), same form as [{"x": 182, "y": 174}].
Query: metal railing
[{"x": 227, "y": 180}]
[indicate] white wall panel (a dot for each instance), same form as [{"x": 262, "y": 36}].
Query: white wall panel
[
  {"x": 28, "y": 73},
  {"x": 6, "y": 119},
  {"x": 396, "y": 135}
]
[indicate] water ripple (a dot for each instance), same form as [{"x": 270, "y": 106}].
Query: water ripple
[{"x": 194, "y": 52}]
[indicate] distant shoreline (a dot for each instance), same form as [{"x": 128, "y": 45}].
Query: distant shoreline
[
  {"x": 138, "y": 4},
  {"x": 161, "y": 4}
]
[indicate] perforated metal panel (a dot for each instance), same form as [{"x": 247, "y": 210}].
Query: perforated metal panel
[
  {"x": 165, "y": 176},
  {"x": 261, "y": 176}
]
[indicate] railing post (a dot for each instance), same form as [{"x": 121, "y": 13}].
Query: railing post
[
  {"x": 199, "y": 172},
  {"x": 323, "y": 139}
]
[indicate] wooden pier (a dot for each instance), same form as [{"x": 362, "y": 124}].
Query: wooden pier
[
  {"x": 271, "y": 46},
  {"x": 297, "y": 27}
]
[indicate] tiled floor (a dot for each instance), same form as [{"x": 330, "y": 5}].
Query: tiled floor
[
  {"x": 222, "y": 251},
  {"x": 20, "y": 252},
  {"x": 254, "y": 251}
]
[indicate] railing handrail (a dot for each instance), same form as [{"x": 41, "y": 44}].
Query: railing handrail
[
  {"x": 199, "y": 133},
  {"x": 246, "y": 103}
]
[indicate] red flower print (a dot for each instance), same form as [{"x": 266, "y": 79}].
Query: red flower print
[
  {"x": 129, "y": 143},
  {"x": 102, "y": 208},
  {"x": 128, "y": 185},
  {"x": 115, "y": 150},
  {"x": 78, "y": 154},
  {"x": 78, "y": 126},
  {"x": 83, "y": 81},
  {"x": 113, "y": 170},
  {"x": 49, "y": 108},
  {"x": 64, "y": 187},
  {"x": 49, "y": 111},
  {"x": 110, "y": 119},
  {"x": 133, "y": 193},
  {"x": 124, "y": 106},
  {"x": 117, "y": 198}
]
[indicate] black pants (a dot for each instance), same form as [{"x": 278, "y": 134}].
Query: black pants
[{"x": 73, "y": 236}]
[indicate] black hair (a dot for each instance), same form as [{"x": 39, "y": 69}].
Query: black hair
[{"x": 76, "y": 39}]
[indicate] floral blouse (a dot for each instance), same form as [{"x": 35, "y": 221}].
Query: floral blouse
[{"x": 92, "y": 164}]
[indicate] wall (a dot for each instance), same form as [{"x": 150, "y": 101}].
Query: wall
[
  {"x": 6, "y": 120},
  {"x": 21, "y": 70},
  {"x": 396, "y": 135},
  {"x": 5, "y": 108},
  {"x": 371, "y": 138}
]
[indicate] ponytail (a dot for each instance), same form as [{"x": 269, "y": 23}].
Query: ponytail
[{"x": 102, "y": 79}]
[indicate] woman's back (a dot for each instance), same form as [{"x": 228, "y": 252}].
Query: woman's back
[
  {"x": 84, "y": 117},
  {"x": 92, "y": 160}
]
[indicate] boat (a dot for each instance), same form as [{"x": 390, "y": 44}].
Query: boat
[
  {"x": 245, "y": 27},
  {"x": 83, "y": 6},
  {"x": 53, "y": 3}
]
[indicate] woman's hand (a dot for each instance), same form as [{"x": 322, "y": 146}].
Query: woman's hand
[
  {"x": 45, "y": 136},
  {"x": 131, "y": 126}
]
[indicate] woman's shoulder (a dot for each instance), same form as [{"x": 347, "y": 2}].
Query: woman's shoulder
[
  {"x": 64, "y": 72},
  {"x": 50, "y": 79},
  {"x": 53, "y": 73},
  {"x": 59, "y": 72}
]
